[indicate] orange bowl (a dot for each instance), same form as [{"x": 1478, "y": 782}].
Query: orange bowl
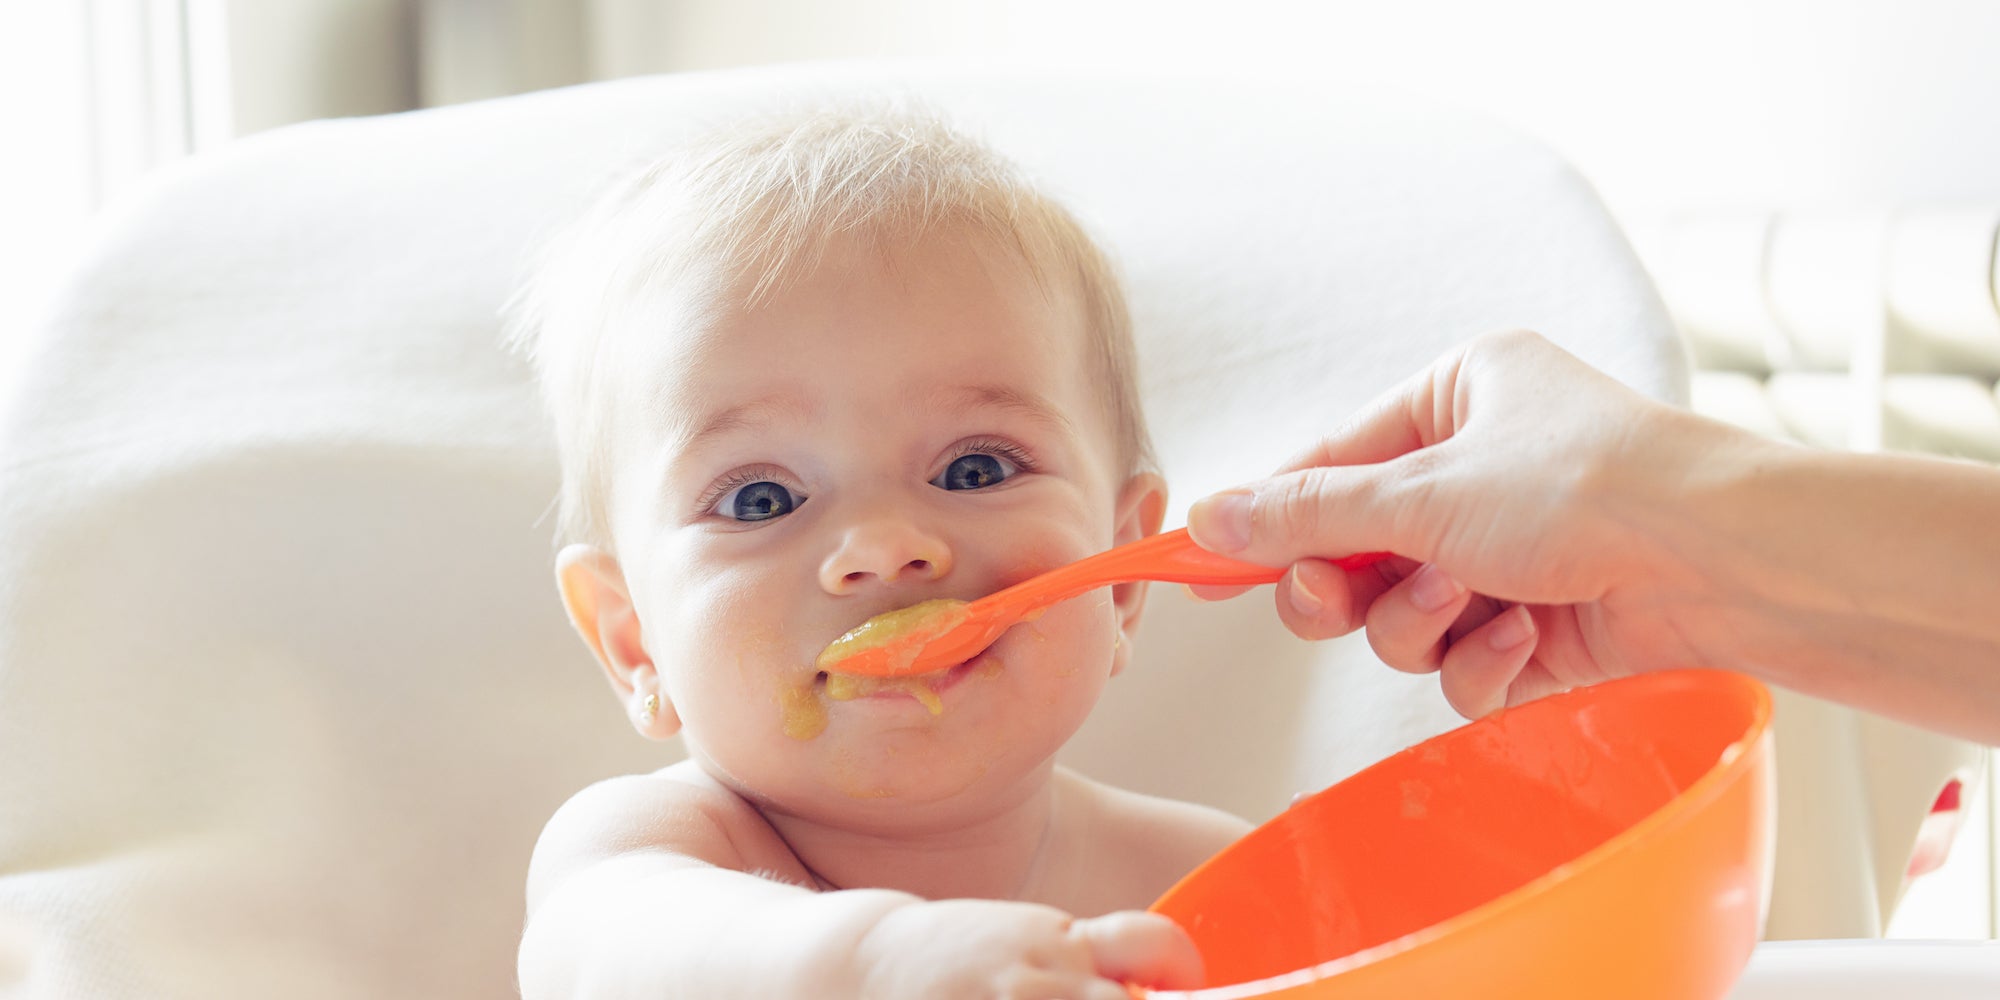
[{"x": 1612, "y": 841}]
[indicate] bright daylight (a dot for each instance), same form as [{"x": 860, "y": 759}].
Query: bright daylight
[{"x": 1082, "y": 500}]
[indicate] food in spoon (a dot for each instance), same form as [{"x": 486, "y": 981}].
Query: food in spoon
[{"x": 923, "y": 621}]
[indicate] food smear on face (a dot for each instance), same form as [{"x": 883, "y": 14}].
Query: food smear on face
[
  {"x": 918, "y": 622},
  {"x": 805, "y": 714}
]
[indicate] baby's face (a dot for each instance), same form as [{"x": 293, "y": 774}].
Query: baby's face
[{"x": 884, "y": 432}]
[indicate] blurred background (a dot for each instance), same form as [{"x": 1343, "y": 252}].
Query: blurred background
[{"x": 1815, "y": 186}]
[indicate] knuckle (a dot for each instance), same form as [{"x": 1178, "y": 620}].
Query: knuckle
[
  {"x": 1413, "y": 494},
  {"x": 1295, "y": 506}
]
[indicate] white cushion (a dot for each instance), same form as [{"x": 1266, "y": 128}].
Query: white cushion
[{"x": 285, "y": 690}]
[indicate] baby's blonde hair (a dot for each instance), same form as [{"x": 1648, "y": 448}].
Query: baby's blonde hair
[{"x": 752, "y": 208}]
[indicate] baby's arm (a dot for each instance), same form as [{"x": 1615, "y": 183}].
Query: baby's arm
[{"x": 637, "y": 890}]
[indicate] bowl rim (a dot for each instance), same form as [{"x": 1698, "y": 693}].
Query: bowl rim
[{"x": 1732, "y": 763}]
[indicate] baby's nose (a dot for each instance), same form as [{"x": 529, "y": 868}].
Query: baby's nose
[{"x": 884, "y": 551}]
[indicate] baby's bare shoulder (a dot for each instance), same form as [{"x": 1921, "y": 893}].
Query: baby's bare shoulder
[
  {"x": 675, "y": 814},
  {"x": 1143, "y": 844},
  {"x": 1184, "y": 827}
]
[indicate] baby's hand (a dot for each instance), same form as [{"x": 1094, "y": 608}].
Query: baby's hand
[{"x": 980, "y": 949}]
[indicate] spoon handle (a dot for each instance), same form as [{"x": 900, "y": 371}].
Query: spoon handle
[{"x": 1172, "y": 557}]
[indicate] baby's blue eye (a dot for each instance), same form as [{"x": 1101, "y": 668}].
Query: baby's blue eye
[
  {"x": 974, "y": 471},
  {"x": 759, "y": 501}
]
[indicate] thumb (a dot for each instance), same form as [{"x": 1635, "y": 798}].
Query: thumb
[
  {"x": 1145, "y": 949},
  {"x": 1322, "y": 513}
]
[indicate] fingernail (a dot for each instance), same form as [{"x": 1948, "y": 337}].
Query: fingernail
[
  {"x": 1434, "y": 589},
  {"x": 1221, "y": 523},
  {"x": 1512, "y": 629},
  {"x": 1304, "y": 601}
]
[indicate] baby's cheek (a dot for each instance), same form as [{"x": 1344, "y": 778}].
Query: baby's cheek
[
  {"x": 756, "y": 649},
  {"x": 732, "y": 666},
  {"x": 732, "y": 629},
  {"x": 1072, "y": 639}
]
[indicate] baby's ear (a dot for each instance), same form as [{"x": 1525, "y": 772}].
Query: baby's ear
[
  {"x": 600, "y": 608},
  {"x": 1142, "y": 506}
]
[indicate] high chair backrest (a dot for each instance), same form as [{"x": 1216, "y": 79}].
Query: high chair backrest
[{"x": 285, "y": 689}]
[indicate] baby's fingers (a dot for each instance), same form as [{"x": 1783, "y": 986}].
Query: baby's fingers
[
  {"x": 1141, "y": 948},
  {"x": 1408, "y": 623},
  {"x": 1058, "y": 986}
]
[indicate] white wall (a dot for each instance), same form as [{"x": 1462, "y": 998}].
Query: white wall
[
  {"x": 333, "y": 57},
  {"x": 46, "y": 182},
  {"x": 1699, "y": 103}
]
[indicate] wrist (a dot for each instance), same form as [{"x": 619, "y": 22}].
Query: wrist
[
  {"x": 843, "y": 958},
  {"x": 1686, "y": 498},
  {"x": 1762, "y": 555},
  {"x": 1669, "y": 466}
]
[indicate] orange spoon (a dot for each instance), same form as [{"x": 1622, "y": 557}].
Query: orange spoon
[{"x": 938, "y": 634}]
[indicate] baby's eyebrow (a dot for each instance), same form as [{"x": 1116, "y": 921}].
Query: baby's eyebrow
[
  {"x": 691, "y": 433},
  {"x": 980, "y": 395},
  {"x": 1004, "y": 397}
]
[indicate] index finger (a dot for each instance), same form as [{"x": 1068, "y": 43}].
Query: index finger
[
  {"x": 1416, "y": 413},
  {"x": 1334, "y": 513}
]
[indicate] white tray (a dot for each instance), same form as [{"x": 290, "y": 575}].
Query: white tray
[{"x": 1872, "y": 970}]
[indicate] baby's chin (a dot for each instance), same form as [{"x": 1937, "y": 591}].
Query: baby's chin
[
  {"x": 903, "y": 782},
  {"x": 893, "y": 762},
  {"x": 889, "y": 798}
]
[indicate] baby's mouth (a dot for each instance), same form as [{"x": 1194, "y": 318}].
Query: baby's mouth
[
  {"x": 904, "y": 629},
  {"x": 927, "y": 688},
  {"x": 922, "y": 687}
]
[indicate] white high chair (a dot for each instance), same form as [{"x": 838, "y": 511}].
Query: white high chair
[{"x": 285, "y": 689}]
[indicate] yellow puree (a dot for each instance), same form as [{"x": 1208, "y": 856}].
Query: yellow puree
[
  {"x": 805, "y": 714},
  {"x": 929, "y": 618},
  {"x": 805, "y": 717}
]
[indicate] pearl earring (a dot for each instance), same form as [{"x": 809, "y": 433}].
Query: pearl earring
[{"x": 649, "y": 711}]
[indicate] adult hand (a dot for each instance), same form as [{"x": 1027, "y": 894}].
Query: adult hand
[
  {"x": 1508, "y": 478},
  {"x": 1554, "y": 528}
]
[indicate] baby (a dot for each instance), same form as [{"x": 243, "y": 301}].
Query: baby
[{"x": 803, "y": 373}]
